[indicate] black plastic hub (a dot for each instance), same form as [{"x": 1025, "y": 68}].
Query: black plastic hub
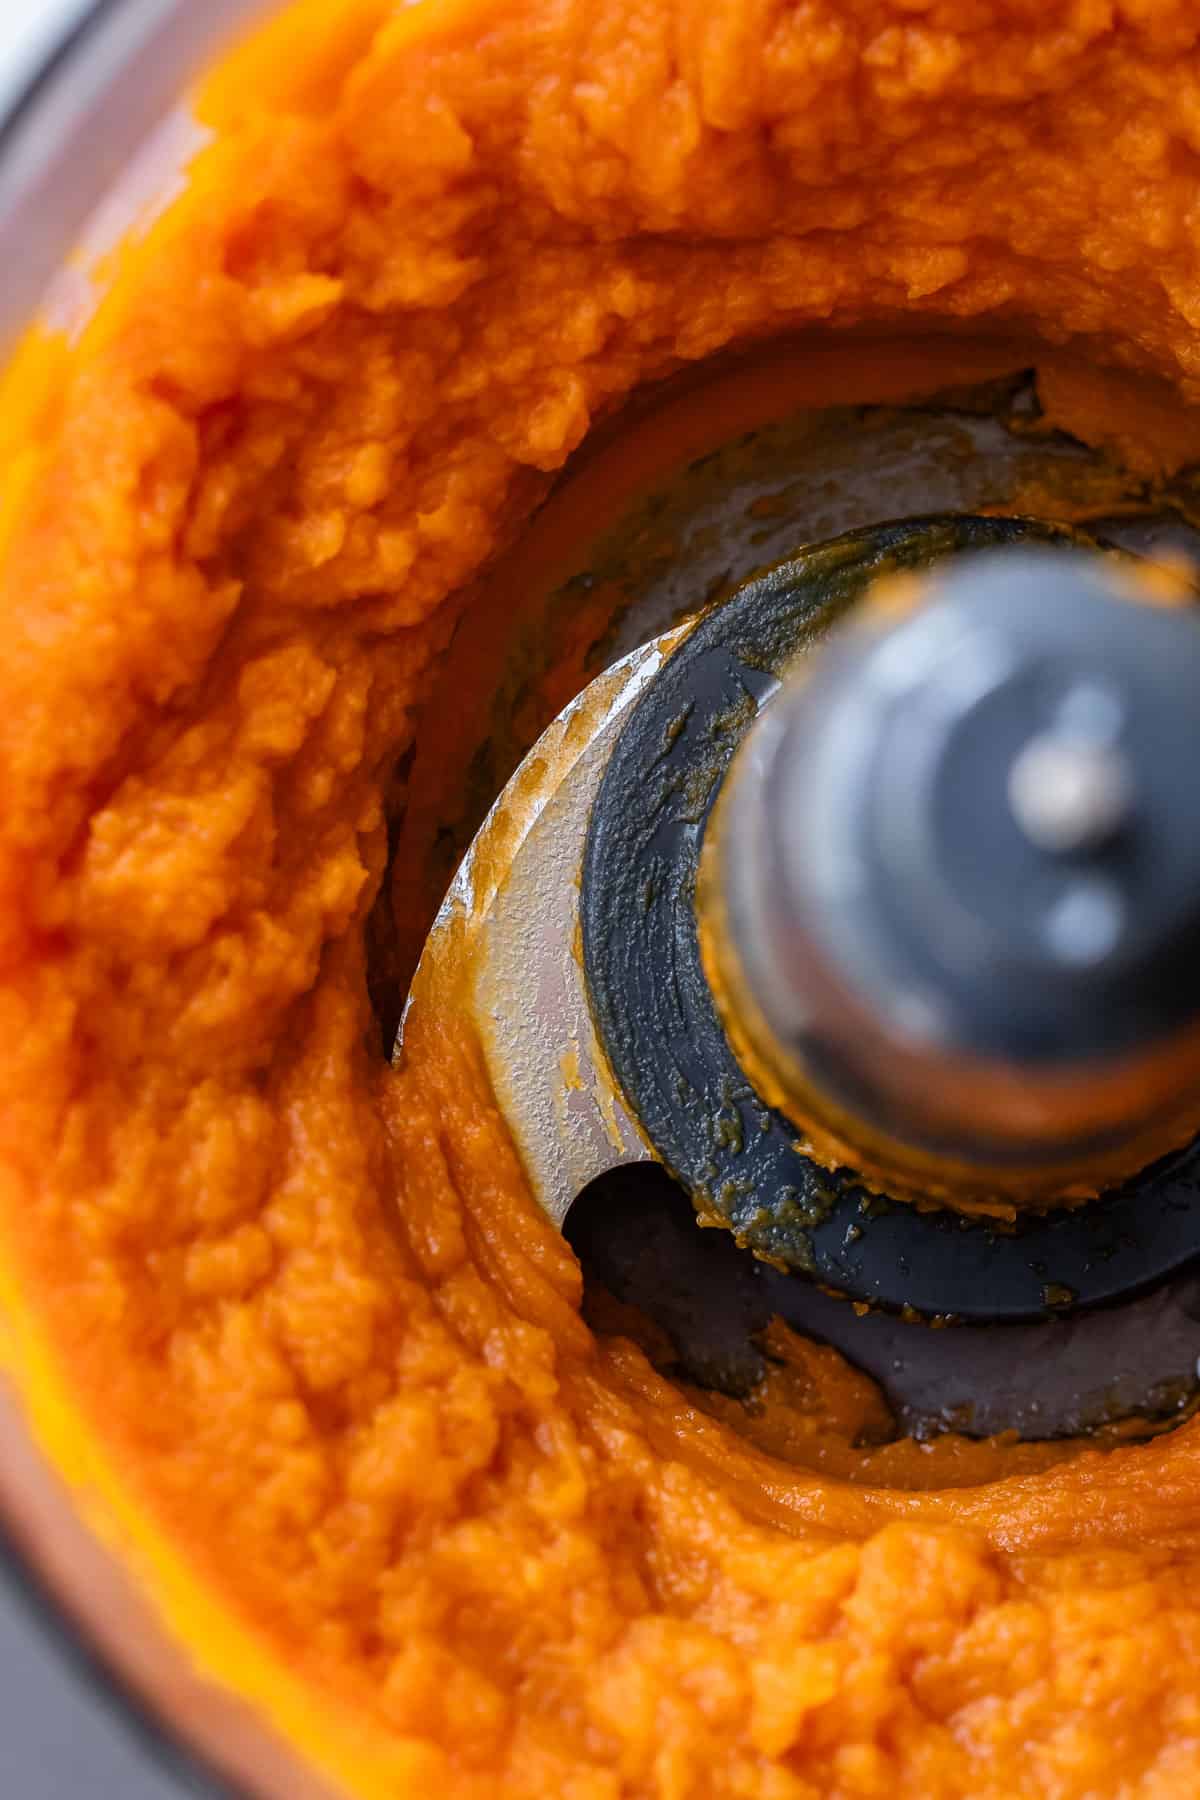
[{"x": 735, "y": 1157}]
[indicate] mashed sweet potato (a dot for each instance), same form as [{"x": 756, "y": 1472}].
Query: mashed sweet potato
[{"x": 290, "y": 1317}]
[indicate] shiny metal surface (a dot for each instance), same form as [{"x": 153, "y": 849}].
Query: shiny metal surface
[
  {"x": 955, "y": 927},
  {"x": 517, "y": 894}
]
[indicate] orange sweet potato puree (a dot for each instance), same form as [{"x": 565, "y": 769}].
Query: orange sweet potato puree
[{"x": 290, "y": 1318}]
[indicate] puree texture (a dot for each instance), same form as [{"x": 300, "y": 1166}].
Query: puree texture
[{"x": 292, "y": 1316}]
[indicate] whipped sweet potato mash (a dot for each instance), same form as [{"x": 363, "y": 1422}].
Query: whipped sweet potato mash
[{"x": 287, "y": 1316}]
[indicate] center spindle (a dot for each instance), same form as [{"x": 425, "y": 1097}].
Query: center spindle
[{"x": 950, "y": 898}]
